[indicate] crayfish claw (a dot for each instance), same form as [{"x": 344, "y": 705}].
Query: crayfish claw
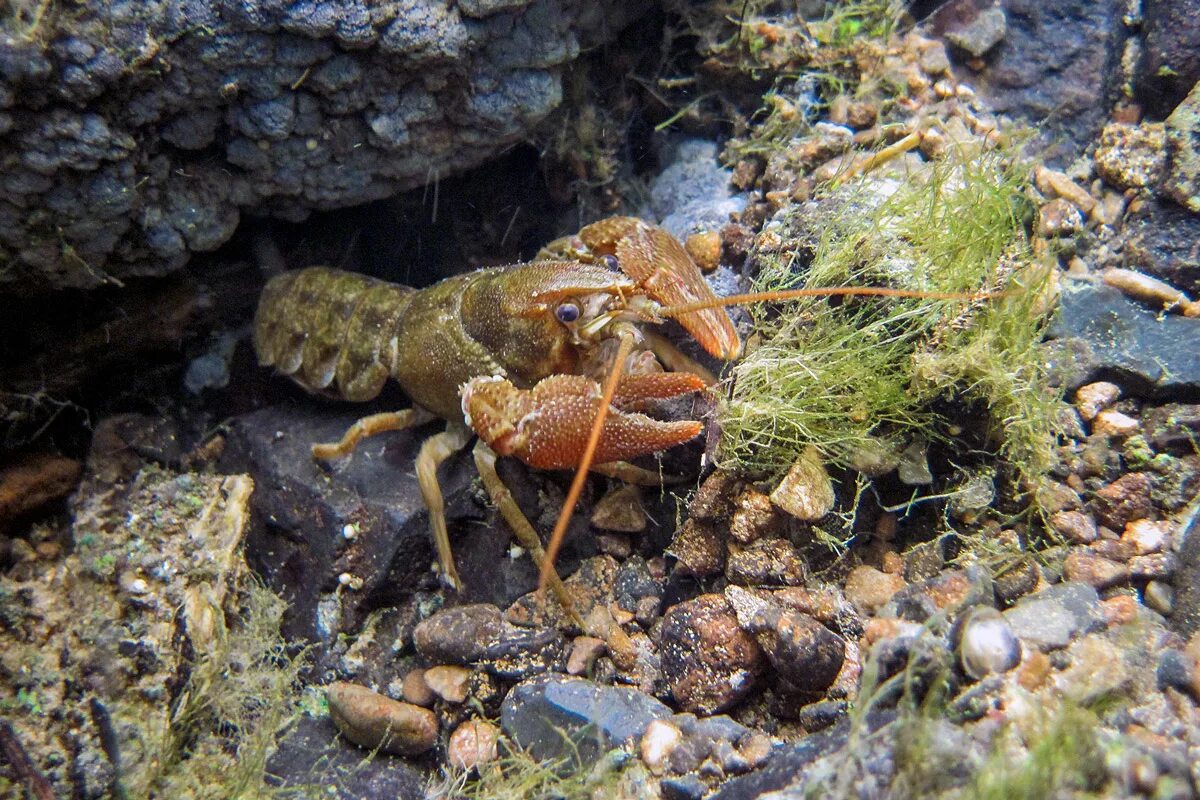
[{"x": 547, "y": 426}]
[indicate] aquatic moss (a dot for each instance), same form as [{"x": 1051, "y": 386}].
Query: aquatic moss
[{"x": 852, "y": 377}]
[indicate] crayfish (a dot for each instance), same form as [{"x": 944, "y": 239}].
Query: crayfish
[{"x": 515, "y": 354}]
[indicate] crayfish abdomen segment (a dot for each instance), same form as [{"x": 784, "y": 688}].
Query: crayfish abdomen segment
[{"x": 330, "y": 331}]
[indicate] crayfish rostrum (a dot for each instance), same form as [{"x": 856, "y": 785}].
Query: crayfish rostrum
[{"x": 511, "y": 353}]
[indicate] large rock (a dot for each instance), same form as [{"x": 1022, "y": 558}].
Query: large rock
[
  {"x": 1100, "y": 333},
  {"x": 1170, "y": 63},
  {"x": 1056, "y": 67},
  {"x": 135, "y": 133}
]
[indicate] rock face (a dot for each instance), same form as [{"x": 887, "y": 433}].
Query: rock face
[{"x": 135, "y": 133}]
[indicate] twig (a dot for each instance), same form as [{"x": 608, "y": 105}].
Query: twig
[{"x": 22, "y": 765}]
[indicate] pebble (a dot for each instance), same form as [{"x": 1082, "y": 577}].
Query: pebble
[
  {"x": 705, "y": 249},
  {"x": 1158, "y": 566},
  {"x": 710, "y": 663},
  {"x": 981, "y": 33},
  {"x": 1054, "y": 183},
  {"x": 1147, "y": 536},
  {"x": 459, "y": 635},
  {"x": 754, "y": 517},
  {"x": 1121, "y": 609},
  {"x": 1094, "y": 570},
  {"x": 448, "y": 682},
  {"x": 1131, "y": 156},
  {"x": 659, "y": 740},
  {"x": 697, "y": 549},
  {"x": 414, "y": 689},
  {"x": 373, "y": 721},
  {"x": 767, "y": 562},
  {"x": 1050, "y": 619},
  {"x": 870, "y": 589},
  {"x": 986, "y": 643},
  {"x": 1160, "y": 596},
  {"x": 1124, "y": 500},
  {"x": 1111, "y": 422},
  {"x": 1074, "y": 526},
  {"x": 621, "y": 510},
  {"x": 803, "y": 652},
  {"x": 1143, "y": 287},
  {"x": 584, "y": 652},
  {"x": 1092, "y": 398},
  {"x": 473, "y": 743},
  {"x": 1059, "y": 217},
  {"x": 806, "y": 492},
  {"x": 1016, "y": 581}
]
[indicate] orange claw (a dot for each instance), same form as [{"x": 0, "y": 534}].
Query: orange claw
[
  {"x": 661, "y": 266},
  {"x": 547, "y": 426}
]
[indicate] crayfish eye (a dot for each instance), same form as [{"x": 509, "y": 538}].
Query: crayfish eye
[
  {"x": 567, "y": 313},
  {"x": 611, "y": 262}
]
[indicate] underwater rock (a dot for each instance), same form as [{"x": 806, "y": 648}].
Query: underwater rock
[
  {"x": 1052, "y": 618},
  {"x": 547, "y": 714},
  {"x": 693, "y": 194},
  {"x": 376, "y": 722},
  {"x": 146, "y": 129},
  {"x": 1159, "y": 240},
  {"x": 1055, "y": 70},
  {"x": 302, "y": 511},
  {"x": 1170, "y": 63},
  {"x": 1100, "y": 332},
  {"x": 980, "y": 34},
  {"x": 311, "y": 752},
  {"x": 1183, "y": 152},
  {"x": 473, "y": 743},
  {"x": 1131, "y": 156},
  {"x": 708, "y": 660}
]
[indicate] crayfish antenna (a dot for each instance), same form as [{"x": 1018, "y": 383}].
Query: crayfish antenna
[
  {"x": 585, "y": 462},
  {"x": 821, "y": 291}
]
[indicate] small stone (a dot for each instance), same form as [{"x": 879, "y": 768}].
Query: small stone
[
  {"x": 1059, "y": 217},
  {"x": 986, "y": 643},
  {"x": 1147, "y": 536},
  {"x": 710, "y": 663},
  {"x": 1160, "y": 596},
  {"x": 414, "y": 689},
  {"x": 1034, "y": 671},
  {"x": 714, "y": 499},
  {"x": 1124, "y": 500},
  {"x": 1094, "y": 570},
  {"x": 1132, "y": 156},
  {"x": 1054, "y": 183},
  {"x": 933, "y": 58},
  {"x": 621, "y": 510},
  {"x": 913, "y": 468},
  {"x": 448, "y": 682},
  {"x": 1050, "y": 619},
  {"x": 1016, "y": 581},
  {"x": 1120, "y": 610},
  {"x": 705, "y": 250},
  {"x": 1159, "y": 566},
  {"x": 1075, "y": 527},
  {"x": 754, "y": 517},
  {"x": 373, "y": 721},
  {"x": 767, "y": 562},
  {"x": 473, "y": 743},
  {"x": 697, "y": 549},
  {"x": 584, "y": 652},
  {"x": 459, "y": 635},
  {"x": 870, "y": 589},
  {"x": 1111, "y": 422},
  {"x": 982, "y": 33},
  {"x": 803, "y": 652},
  {"x": 658, "y": 742},
  {"x": 806, "y": 492}
]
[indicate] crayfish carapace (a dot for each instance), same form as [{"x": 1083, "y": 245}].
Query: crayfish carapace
[{"x": 514, "y": 354}]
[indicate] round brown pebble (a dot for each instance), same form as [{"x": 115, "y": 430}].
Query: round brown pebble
[
  {"x": 705, "y": 249},
  {"x": 415, "y": 690},
  {"x": 870, "y": 589},
  {"x": 448, "y": 682},
  {"x": 1120, "y": 610},
  {"x": 1092, "y": 398},
  {"x": 584, "y": 652},
  {"x": 1074, "y": 526},
  {"x": 473, "y": 743},
  {"x": 1124, "y": 500},
  {"x": 373, "y": 721},
  {"x": 1094, "y": 570},
  {"x": 709, "y": 661}
]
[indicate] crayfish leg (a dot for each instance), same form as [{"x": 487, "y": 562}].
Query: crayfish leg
[
  {"x": 370, "y": 426},
  {"x": 434, "y": 451},
  {"x": 523, "y": 530}
]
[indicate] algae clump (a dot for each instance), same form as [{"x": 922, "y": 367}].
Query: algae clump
[{"x": 869, "y": 376}]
